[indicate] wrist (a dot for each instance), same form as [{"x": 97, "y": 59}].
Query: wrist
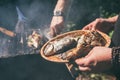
[
  {"x": 60, "y": 6},
  {"x": 58, "y": 13}
]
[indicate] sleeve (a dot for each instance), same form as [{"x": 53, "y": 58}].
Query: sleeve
[{"x": 116, "y": 61}]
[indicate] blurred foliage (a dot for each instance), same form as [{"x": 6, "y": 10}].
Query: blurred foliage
[
  {"x": 86, "y": 11},
  {"x": 111, "y": 33},
  {"x": 111, "y": 6},
  {"x": 93, "y": 76},
  {"x": 106, "y": 14}
]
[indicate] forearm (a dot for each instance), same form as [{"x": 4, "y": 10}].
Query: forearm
[
  {"x": 113, "y": 19},
  {"x": 60, "y": 5},
  {"x": 63, "y": 6}
]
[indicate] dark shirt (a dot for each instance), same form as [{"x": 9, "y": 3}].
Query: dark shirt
[
  {"x": 116, "y": 44},
  {"x": 116, "y": 34}
]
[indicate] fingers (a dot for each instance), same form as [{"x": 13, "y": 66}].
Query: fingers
[
  {"x": 83, "y": 65},
  {"x": 87, "y": 27},
  {"x": 82, "y": 62},
  {"x": 84, "y": 68},
  {"x": 91, "y": 26},
  {"x": 86, "y": 64},
  {"x": 52, "y": 32},
  {"x": 56, "y": 25},
  {"x": 56, "y": 29}
]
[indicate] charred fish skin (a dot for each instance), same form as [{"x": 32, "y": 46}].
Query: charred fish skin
[{"x": 60, "y": 46}]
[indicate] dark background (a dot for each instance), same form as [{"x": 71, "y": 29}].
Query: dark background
[{"x": 39, "y": 12}]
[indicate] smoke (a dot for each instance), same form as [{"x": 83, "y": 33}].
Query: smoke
[{"x": 38, "y": 14}]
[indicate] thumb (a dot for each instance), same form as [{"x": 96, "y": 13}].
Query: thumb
[{"x": 82, "y": 61}]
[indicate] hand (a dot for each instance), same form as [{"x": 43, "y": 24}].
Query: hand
[
  {"x": 57, "y": 25},
  {"x": 104, "y": 25},
  {"x": 97, "y": 60}
]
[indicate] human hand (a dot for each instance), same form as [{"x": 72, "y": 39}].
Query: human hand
[
  {"x": 97, "y": 60},
  {"x": 57, "y": 25},
  {"x": 101, "y": 24}
]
